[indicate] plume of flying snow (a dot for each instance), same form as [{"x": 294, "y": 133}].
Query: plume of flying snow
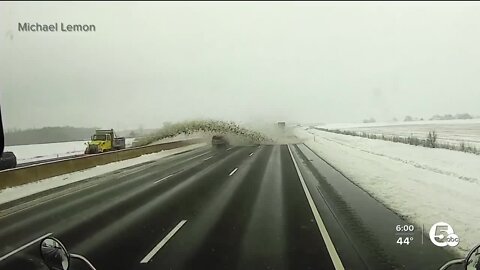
[{"x": 234, "y": 132}]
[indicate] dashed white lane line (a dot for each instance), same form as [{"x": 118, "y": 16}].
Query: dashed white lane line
[
  {"x": 251, "y": 154},
  {"x": 24, "y": 246},
  {"x": 208, "y": 158},
  {"x": 233, "y": 172},
  {"x": 337, "y": 263},
  {"x": 228, "y": 149},
  {"x": 162, "y": 243}
]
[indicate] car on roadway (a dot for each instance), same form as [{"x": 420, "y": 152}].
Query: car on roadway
[
  {"x": 219, "y": 141},
  {"x": 8, "y": 160}
]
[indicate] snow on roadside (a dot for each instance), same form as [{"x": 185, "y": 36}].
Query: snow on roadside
[
  {"x": 13, "y": 193},
  {"x": 454, "y": 132},
  {"x": 423, "y": 184},
  {"x": 42, "y": 151},
  {"x": 400, "y": 123},
  {"x": 35, "y": 152}
]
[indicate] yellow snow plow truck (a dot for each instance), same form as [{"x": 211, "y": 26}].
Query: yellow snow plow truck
[{"x": 104, "y": 140}]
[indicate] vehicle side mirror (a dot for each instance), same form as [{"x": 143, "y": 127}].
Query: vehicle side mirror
[
  {"x": 54, "y": 254},
  {"x": 472, "y": 261}
]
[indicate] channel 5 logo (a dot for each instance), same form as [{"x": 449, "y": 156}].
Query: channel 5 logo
[{"x": 442, "y": 235}]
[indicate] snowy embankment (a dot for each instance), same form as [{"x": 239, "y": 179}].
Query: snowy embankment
[
  {"x": 424, "y": 185},
  {"x": 14, "y": 193},
  {"x": 449, "y": 131},
  {"x": 37, "y": 152}
]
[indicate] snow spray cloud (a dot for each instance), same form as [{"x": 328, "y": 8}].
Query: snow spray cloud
[{"x": 233, "y": 131}]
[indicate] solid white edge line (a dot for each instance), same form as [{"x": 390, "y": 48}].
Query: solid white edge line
[
  {"x": 166, "y": 177},
  {"x": 45, "y": 201},
  {"x": 162, "y": 243},
  {"x": 73, "y": 191},
  {"x": 24, "y": 246},
  {"x": 233, "y": 172},
  {"x": 337, "y": 263},
  {"x": 196, "y": 156}
]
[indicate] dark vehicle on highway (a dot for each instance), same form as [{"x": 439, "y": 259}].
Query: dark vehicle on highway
[
  {"x": 8, "y": 160},
  {"x": 219, "y": 142}
]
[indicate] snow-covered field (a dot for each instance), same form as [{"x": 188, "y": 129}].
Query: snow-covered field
[
  {"x": 424, "y": 184},
  {"x": 14, "y": 193},
  {"x": 450, "y": 131},
  {"x": 36, "y": 152}
]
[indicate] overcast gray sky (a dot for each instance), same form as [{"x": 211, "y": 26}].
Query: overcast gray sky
[{"x": 148, "y": 63}]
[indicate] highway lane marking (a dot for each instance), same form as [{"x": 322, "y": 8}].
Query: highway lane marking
[
  {"x": 33, "y": 204},
  {"x": 70, "y": 191},
  {"x": 228, "y": 149},
  {"x": 233, "y": 172},
  {"x": 208, "y": 158},
  {"x": 162, "y": 243},
  {"x": 24, "y": 246},
  {"x": 197, "y": 156},
  {"x": 41, "y": 200},
  {"x": 251, "y": 154},
  {"x": 337, "y": 263},
  {"x": 166, "y": 177}
]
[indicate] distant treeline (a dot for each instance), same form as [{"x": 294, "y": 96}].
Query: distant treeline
[
  {"x": 451, "y": 117},
  {"x": 47, "y": 135},
  {"x": 409, "y": 118},
  {"x": 441, "y": 117}
]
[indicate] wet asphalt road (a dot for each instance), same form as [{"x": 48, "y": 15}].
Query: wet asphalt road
[{"x": 241, "y": 208}]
